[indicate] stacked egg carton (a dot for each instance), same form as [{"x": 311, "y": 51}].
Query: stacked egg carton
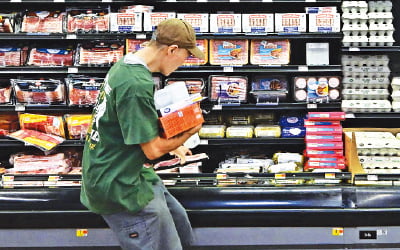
[
  {"x": 367, "y": 24},
  {"x": 378, "y": 152},
  {"x": 365, "y": 83},
  {"x": 396, "y": 94}
]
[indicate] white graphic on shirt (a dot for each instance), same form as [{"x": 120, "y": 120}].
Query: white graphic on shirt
[{"x": 99, "y": 111}]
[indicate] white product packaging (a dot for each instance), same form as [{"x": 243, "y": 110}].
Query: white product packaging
[
  {"x": 225, "y": 23},
  {"x": 152, "y": 19},
  {"x": 199, "y": 21},
  {"x": 125, "y": 22},
  {"x": 258, "y": 23},
  {"x": 324, "y": 22},
  {"x": 290, "y": 22},
  {"x": 317, "y": 53}
]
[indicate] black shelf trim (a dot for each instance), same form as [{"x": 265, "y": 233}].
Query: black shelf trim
[
  {"x": 382, "y": 115},
  {"x": 47, "y": 108},
  {"x": 372, "y": 49},
  {"x": 280, "y": 106},
  {"x": 260, "y": 68},
  {"x": 251, "y": 141},
  {"x": 173, "y": 1},
  {"x": 13, "y": 143}
]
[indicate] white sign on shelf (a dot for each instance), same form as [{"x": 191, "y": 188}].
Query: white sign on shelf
[
  {"x": 71, "y": 36},
  {"x": 72, "y": 70},
  {"x": 228, "y": 69},
  {"x": 141, "y": 36},
  {"x": 302, "y": 68},
  {"x": 312, "y": 106}
]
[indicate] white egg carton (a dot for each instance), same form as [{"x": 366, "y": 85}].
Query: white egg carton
[
  {"x": 366, "y": 75},
  {"x": 396, "y": 106},
  {"x": 367, "y": 69},
  {"x": 355, "y": 41},
  {"x": 382, "y": 171},
  {"x": 354, "y": 18},
  {"x": 365, "y": 106},
  {"x": 395, "y": 83},
  {"x": 354, "y": 7},
  {"x": 355, "y": 29},
  {"x": 374, "y": 135},
  {"x": 380, "y": 17},
  {"x": 396, "y": 95},
  {"x": 381, "y": 29},
  {"x": 361, "y": 83},
  {"x": 365, "y": 94},
  {"x": 365, "y": 60},
  {"x": 380, "y": 6},
  {"x": 381, "y": 40},
  {"x": 379, "y": 151}
]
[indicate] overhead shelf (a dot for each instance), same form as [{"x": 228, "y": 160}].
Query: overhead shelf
[
  {"x": 252, "y": 141},
  {"x": 174, "y": 1},
  {"x": 273, "y": 106},
  {"x": 45, "y": 108}
]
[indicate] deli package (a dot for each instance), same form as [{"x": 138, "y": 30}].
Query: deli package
[
  {"x": 99, "y": 53},
  {"x": 77, "y": 125},
  {"x": 257, "y": 23},
  {"x": 228, "y": 88},
  {"x": 290, "y": 22},
  {"x": 43, "y": 141},
  {"x": 43, "y": 22},
  {"x": 7, "y": 23},
  {"x": 228, "y": 52},
  {"x": 126, "y": 22},
  {"x": 269, "y": 52},
  {"x": 13, "y": 56},
  {"x": 317, "y": 89},
  {"x": 83, "y": 90},
  {"x": 39, "y": 91},
  {"x": 199, "y": 21},
  {"x": 194, "y": 85},
  {"x": 5, "y": 91},
  {"x": 225, "y": 23},
  {"x": 88, "y": 20},
  {"x": 133, "y": 45},
  {"x": 202, "y": 44},
  {"x": 50, "y": 57},
  {"x": 268, "y": 88},
  {"x": 152, "y": 19},
  {"x": 48, "y": 124}
]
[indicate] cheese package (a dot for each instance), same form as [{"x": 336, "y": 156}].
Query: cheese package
[
  {"x": 212, "y": 131},
  {"x": 199, "y": 21},
  {"x": 267, "y": 131},
  {"x": 324, "y": 22},
  {"x": 290, "y": 22},
  {"x": 327, "y": 116},
  {"x": 322, "y": 145},
  {"x": 269, "y": 52},
  {"x": 257, "y": 23},
  {"x": 133, "y": 45},
  {"x": 202, "y": 44},
  {"x": 240, "y": 132},
  {"x": 126, "y": 22},
  {"x": 44, "y": 123},
  {"x": 228, "y": 52},
  {"x": 228, "y": 88},
  {"x": 225, "y": 23},
  {"x": 152, "y": 19},
  {"x": 319, "y": 138},
  {"x": 320, "y": 130},
  {"x": 77, "y": 125}
]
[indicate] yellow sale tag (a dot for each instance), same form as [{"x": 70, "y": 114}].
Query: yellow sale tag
[
  {"x": 221, "y": 176},
  {"x": 337, "y": 231},
  {"x": 280, "y": 176},
  {"x": 329, "y": 175},
  {"x": 81, "y": 232}
]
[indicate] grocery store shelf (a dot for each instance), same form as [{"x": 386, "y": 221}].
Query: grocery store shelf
[
  {"x": 253, "y": 141},
  {"x": 46, "y": 108},
  {"x": 173, "y": 1},
  {"x": 13, "y": 143},
  {"x": 272, "y": 106},
  {"x": 53, "y": 70},
  {"x": 370, "y": 115}
]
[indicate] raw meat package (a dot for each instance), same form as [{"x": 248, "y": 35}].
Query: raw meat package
[
  {"x": 40, "y": 164},
  {"x": 83, "y": 90},
  {"x": 12, "y": 56},
  {"x": 125, "y": 22},
  {"x": 136, "y": 8},
  {"x": 39, "y": 91},
  {"x": 43, "y": 141},
  {"x": 269, "y": 88},
  {"x": 317, "y": 89},
  {"x": 7, "y": 21},
  {"x": 43, "y": 22},
  {"x": 133, "y": 45},
  {"x": 50, "y": 57},
  {"x": 99, "y": 53},
  {"x": 48, "y": 124},
  {"x": 77, "y": 125},
  {"x": 225, "y": 23},
  {"x": 90, "y": 20},
  {"x": 194, "y": 85},
  {"x": 152, "y": 19},
  {"x": 258, "y": 23},
  {"x": 8, "y": 123},
  {"x": 199, "y": 21},
  {"x": 270, "y": 52},
  {"x": 228, "y": 52},
  {"x": 5, "y": 91},
  {"x": 228, "y": 88},
  {"x": 192, "y": 61}
]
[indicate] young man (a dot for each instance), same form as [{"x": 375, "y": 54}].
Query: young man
[{"x": 124, "y": 134}]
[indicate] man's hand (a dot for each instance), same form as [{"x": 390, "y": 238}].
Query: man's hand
[{"x": 181, "y": 153}]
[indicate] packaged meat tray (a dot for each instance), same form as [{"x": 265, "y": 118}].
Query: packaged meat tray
[
  {"x": 228, "y": 52},
  {"x": 194, "y": 85},
  {"x": 83, "y": 90},
  {"x": 99, "y": 53},
  {"x": 199, "y": 21},
  {"x": 258, "y": 23},
  {"x": 270, "y": 131},
  {"x": 225, "y": 23},
  {"x": 43, "y": 141},
  {"x": 269, "y": 52},
  {"x": 126, "y": 22},
  {"x": 240, "y": 131},
  {"x": 266, "y": 89},
  {"x": 202, "y": 44},
  {"x": 152, "y": 19},
  {"x": 5, "y": 91},
  {"x": 324, "y": 22},
  {"x": 90, "y": 20},
  {"x": 7, "y": 22},
  {"x": 212, "y": 131},
  {"x": 50, "y": 57},
  {"x": 43, "y": 22},
  {"x": 8, "y": 123},
  {"x": 77, "y": 125},
  {"x": 133, "y": 45},
  {"x": 48, "y": 124},
  {"x": 39, "y": 91},
  {"x": 290, "y": 22},
  {"x": 12, "y": 56},
  {"x": 39, "y": 164},
  {"x": 317, "y": 89},
  {"x": 228, "y": 88}
]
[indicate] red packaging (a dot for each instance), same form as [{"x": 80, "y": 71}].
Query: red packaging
[
  {"x": 324, "y": 130},
  {"x": 323, "y": 153},
  {"x": 323, "y": 145},
  {"x": 323, "y": 138},
  {"x": 43, "y": 22},
  {"x": 323, "y": 164},
  {"x": 317, "y": 116},
  {"x": 133, "y": 45},
  {"x": 99, "y": 53},
  {"x": 50, "y": 57},
  {"x": 309, "y": 123}
]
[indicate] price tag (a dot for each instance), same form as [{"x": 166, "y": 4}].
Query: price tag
[
  {"x": 349, "y": 116},
  {"x": 337, "y": 231},
  {"x": 302, "y": 68},
  {"x": 15, "y": 1},
  {"x": 53, "y": 178},
  {"x": 221, "y": 176},
  {"x": 72, "y": 70},
  {"x": 171, "y": 1},
  {"x": 234, "y": 1},
  {"x": 71, "y": 36},
  {"x": 217, "y": 107},
  {"x": 330, "y": 175},
  {"x": 203, "y": 142},
  {"x": 19, "y": 107},
  {"x": 267, "y": 1},
  {"x": 81, "y": 232},
  {"x": 312, "y": 106},
  {"x": 228, "y": 69},
  {"x": 280, "y": 176},
  {"x": 354, "y": 49},
  {"x": 141, "y": 36},
  {"x": 311, "y": 1},
  {"x": 201, "y": 1},
  {"x": 58, "y": 1},
  {"x": 106, "y": 1},
  {"x": 8, "y": 181},
  {"x": 372, "y": 177}
]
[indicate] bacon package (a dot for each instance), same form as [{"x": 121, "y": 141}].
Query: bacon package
[
  {"x": 43, "y": 22},
  {"x": 77, "y": 125},
  {"x": 43, "y": 141},
  {"x": 133, "y": 45},
  {"x": 267, "y": 52},
  {"x": 91, "y": 20},
  {"x": 5, "y": 91},
  {"x": 7, "y": 21},
  {"x": 99, "y": 53},
  {"x": 8, "y": 123},
  {"x": 228, "y": 88},
  {"x": 48, "y": 124},
  {"x": 39, "y": 91},
  {"x": 50, "y": 57},
  {"x": 12, "y": 56},
  {"x": 194, "y": 85},
  {"x": 83, "y": 90},
  {"x": 228, "y": 52},
  {"x": 192, "y": 61},
  {"x": 40, "y": 164}
]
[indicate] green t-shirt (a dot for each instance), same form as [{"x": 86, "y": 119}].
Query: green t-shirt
[{"x": 113, "y": 176}]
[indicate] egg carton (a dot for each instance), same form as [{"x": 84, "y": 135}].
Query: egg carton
[
  {"x": 366, "y": 75},
  {"x": 355, "y": 7},
  {"x": 378, "y": 151},
  {"x": 379, "y": 159},
  {"x": 380, "y": 17},
  {"x": 396, "y": 106},
  {"x": 365, "y": 60},
  {"x": 386, "y": 165},
  {"x": 381, "y": 29},
  {"x": 354, "y": 18},
  {"x": 380, "y": 6},
  {"x": 365, "y": 94},
  {"x": 382, "y": 171},
  {"x": 381, "y": 41},
  {"x": 378, "y": 143},
  {"x": 355, "y": 41},
  {"x": 373, "y": 135},
  {"x": 395, "y": 83},
  {"x": 396, "y": 95},
  {"x": 367, "y": 69},
  {"x": 365, "y": 106},
  {"x": 355, "y": 29}
]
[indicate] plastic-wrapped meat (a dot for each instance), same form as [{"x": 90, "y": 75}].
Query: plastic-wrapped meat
[
  {"x": 228, "y": 88},
  {"x": 6, "y": 23},
  {"x": 133, "y": 45},
  {"x": 228, "y": 52},
  {"x": 83, "y": 90},
  {"x": 39, "y": 91},
  {"x": 45, "y": 123},
  {"x": 99, "y": 53},
  {"x": 8, "y": 123},
  {"x": 5, "y": 91},
  {"x": 11, "y": 56},
  {"x": 77, "y": 125},
  {"x": 176, "y": 161},
  {"x": 37, "y": 139},
  {"x": 38, "y": 164},
  {"x": 50, "y": 57},
  {"x": 43, "y": 22},
  {"x": 88, "y": 20}
]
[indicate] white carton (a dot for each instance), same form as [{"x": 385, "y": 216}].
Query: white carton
[
  {"x": 151, "y": 20},
  {"x": 125, "y": 22},
  {"x": 324, "y": 22},
  {"x": 225, "y": 23},
  {"x": 290, "y": 22},
  {"x": 258, "y": 23},
  {"x": 199, "y": 21}
]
